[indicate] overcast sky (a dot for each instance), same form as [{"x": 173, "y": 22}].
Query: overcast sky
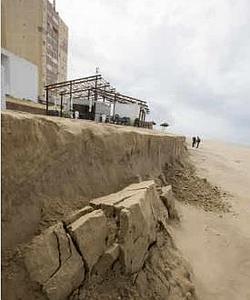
[{"x": 190, "y": 59}]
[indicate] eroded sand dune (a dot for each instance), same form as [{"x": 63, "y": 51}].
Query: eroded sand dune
[
  {"x": 118, "y": 247},
  {"x": 51, "y": 166}
]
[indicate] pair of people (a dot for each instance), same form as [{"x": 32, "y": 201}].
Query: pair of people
[{"x": 196, "y": 141}]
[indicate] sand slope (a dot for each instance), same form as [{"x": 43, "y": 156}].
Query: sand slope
[
  {"x": 218, "y": 245},
  {"x": 52, "y": 166}
]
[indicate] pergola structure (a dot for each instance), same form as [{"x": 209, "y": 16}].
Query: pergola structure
[{"x": 92, "y": 88}]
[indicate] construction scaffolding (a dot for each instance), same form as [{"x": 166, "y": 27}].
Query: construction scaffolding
[{"x": 91, "y": 89}]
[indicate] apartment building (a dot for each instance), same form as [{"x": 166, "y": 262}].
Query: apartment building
[{"x": 33, "y": 30}]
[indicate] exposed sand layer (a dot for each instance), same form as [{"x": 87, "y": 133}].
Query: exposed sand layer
[
  {"x": 218, "y": 245},
  {"x": 51, "y": 166}
]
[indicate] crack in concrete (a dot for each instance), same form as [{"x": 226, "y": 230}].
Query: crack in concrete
[
  {"x": 137, "y": 189},
  {"x": 114, "y": 205},
  {"x": 68, "y": 238},
  {"x": 120, "y": 201},
  {"x": 59, "y": 256},
  {"x": 77, "y": 248}
]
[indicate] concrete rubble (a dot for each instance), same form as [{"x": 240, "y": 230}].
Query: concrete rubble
[
  {"x": 89, "y": 232},
  {"x": 119, "y": 227},
  {"x": 77, "y": 214},
  {"x": 53, "y": 262},
  {"x": 168, "y": 199}
]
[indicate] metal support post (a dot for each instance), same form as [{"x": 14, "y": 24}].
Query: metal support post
[
  {"x": 47, "y": 100},
  {"x": 114, "y": 105},
  {"x": 96, "y": 88},
  {"x": 70, "y": 96},
  {"x": 61, "y": 107}
]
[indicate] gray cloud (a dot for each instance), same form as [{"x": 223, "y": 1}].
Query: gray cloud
[{"x": 189, "y": 59}]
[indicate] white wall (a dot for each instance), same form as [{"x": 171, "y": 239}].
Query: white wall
[
  {"x": 101, "y": 108},
  {"x": 3, "y": 92},
  {"x": 130, "y": 110},
  {"x": 20, "y": 76}
]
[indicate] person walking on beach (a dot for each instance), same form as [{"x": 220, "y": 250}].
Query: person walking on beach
[
  {"x": 198, "y": 140},
  {"x": 193, "y": 141}
]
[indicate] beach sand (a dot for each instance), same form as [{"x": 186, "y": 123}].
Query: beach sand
[{"x": 218, "y": 244}]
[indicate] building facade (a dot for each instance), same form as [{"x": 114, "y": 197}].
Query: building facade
[
  {"x": 130, "y": 110},
  {"x": 33, "y": 30},
  {"x": 19, "y": 77}
]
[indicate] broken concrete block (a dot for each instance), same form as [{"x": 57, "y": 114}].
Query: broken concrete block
[
  {"x": 139, "y": 219},
  {"x": 53, "y": 262},
  {"x": 112, "y": 200},
  {"x": 77, "y": 214},
  {"x": 167, "y": 198},
  {"x": 136, "y": 210},
  {"x": 137, "y": 229},
  {"x": 159, "y": 210},
  {"x": 134, "y": 237},
  {"x": 140, "y": 207},
  {"x": 107, "y": 259},
  {"x": 107, "y": 203},
  {"x": 90, "y": 233},
  {"x": 69, "y": 277},
  {"x": 42, "y": 258}
]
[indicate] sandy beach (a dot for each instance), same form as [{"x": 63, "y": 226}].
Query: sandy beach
[{"x": 217, "y": 245}]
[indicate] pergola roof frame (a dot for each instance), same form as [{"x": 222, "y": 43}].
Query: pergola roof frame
[{"x": 94, "y": 86}]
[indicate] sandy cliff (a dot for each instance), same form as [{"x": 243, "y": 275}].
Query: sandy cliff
[
  {"x": 51, "y": 166},
  {"x": 60, "y": 240}
]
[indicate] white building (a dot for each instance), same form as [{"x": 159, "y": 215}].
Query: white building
[
  {"x": 95, "y": 111},
  {"x": 130, "y": 110},
  {"x": 19, "y": 77},
  {"x": 3, "y": 100}
]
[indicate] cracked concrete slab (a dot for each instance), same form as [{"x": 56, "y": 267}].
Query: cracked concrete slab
[
  {"x": 107, "y": 203},
  {"x": 77, "y": 214},
  {"x": 70, "y": 275},
  {"x": 139, "y": 208},
  {"x": 138, "y": 224},
  {"x": 90, "y": 233},
  {"x": 42, "y": 257},
  {"x": 167, "y": 198},
  {"x": 53, "y": 262},
  {"x": 119, "y": 226}
]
